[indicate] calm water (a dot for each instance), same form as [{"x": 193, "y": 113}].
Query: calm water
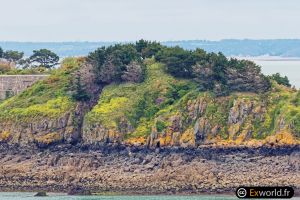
[
  {"x": 30, "y": 196},
  {"x": 289, "y": 68}
]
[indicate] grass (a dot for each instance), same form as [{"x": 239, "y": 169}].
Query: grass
[
  {"x": 48, "y": 98},
  {"x": 151, "y": 105},
  {"x": 138, "y": 104}
]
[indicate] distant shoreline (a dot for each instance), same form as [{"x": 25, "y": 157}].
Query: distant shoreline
[{"x": 267, "y": 58}]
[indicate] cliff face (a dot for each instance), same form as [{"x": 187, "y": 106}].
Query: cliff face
[
  {"x": 160, "y": 111},
  {"x": 46, "y": 113},
  {"x": 164, "y": 111}
]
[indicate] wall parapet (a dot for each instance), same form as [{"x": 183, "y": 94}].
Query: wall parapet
[{"x": 11, "y": 85}]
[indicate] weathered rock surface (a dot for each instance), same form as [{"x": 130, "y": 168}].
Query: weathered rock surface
[
  {"x": 44, "y": 131},
  {"x": 122, "y": 169}
]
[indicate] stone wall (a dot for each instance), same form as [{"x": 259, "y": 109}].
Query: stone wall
[{"x": 11, "y": 85}]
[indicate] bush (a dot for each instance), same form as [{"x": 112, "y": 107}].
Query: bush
[
  {"x": 5, "y": 67},
  {"x": 111, "y": 63},
  {"x": 80, "y": 93},
  {"x": 213, "y": 71},
  {"x": 178, "y": 61},
  {"x": 160, "y": 126},
  {"x": 1, "y": 52},
  {"x": 147, "y": 49},
  {"x": 282, "y": 80}
]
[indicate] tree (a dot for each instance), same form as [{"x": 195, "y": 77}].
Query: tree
[
  {"x": 25, "y": 63},
  {"x": 282, "y": 80},
  {"x": 110, "y": 63},
  {"x": 147, "y": 49},
  {"x": 45, "y": 58},
  {"x": 13, "y": 56},
  {"x": 133, "y": 73},
  {"x": 140, "y": 45},
  {"x": 80, "y": 93},
  {"x": 178, "y": 61},
  {"x": 1, "y": 52}
]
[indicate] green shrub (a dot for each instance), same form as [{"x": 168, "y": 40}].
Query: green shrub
[
  {"x": 160, "y": 126},
  {"x": 282, "y": 80}
]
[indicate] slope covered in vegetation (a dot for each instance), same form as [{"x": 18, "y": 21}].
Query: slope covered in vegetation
[
  {"x": 40, "y": 113},
  {"x": 164, "y": 110},
  {"x": 149, "y": 94}
]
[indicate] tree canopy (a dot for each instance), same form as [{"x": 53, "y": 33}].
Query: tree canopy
[
  {"x": 213, "y": 71},
  {"x": 13, "y": 56},
  {"x": 282, "y": 80},
  {"x": 147, "y": 49},
  {"x": 44, "y": 58},
  {"x": 1, "y": 52},
  {"x": 112, "y": 62}
]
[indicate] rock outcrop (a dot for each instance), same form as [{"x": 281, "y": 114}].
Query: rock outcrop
[
  {"x": 160, "y": 111},
  {"x": 142, "y": 171},
  {"x": 59, "y": 120}
]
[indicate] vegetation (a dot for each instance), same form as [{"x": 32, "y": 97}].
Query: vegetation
[
  {"x": 12, "y": 62},
  {"x": 168, "y": 91},
  {"x": 5, "y": 67},
  {"x": 44, "y": 58},
  {"x": 112, "y": 62},
  {"x": 13, "y": 56},
  {"x": 147, "y": 49},
  {"x": 80, "y": 93},
  {"x": 46, "y": 99},
  {"x": 1, "y": 52},
  {"x": 138, "y": 104},
  {"x": 162, "y": 98},
  {"x": 212, "y": 71},
  {"x": 280, "y": 79}
]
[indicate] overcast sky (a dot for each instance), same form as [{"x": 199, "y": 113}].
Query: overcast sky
[{"x": 124, "y": 20}]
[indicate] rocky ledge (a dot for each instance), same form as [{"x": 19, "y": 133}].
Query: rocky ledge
[{"x": 133, "y": 170}]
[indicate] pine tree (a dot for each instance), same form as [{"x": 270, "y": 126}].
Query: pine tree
[{"x": 80, "y": 93}]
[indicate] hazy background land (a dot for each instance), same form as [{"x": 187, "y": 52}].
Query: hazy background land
[{"x": 230, "y": 47}]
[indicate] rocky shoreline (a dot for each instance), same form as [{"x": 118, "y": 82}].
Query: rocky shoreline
[{"x": 122, "y": 169}]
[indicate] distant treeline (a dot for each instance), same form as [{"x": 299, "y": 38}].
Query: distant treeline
[{"x": 279, "y": 47}]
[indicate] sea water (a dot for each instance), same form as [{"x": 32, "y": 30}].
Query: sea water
[
  {"x": 52, "y": 196},
  {"x": 289, "y": 68}
]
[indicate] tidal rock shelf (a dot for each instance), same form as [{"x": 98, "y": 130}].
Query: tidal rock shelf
[{"x": 138, "y": 170}]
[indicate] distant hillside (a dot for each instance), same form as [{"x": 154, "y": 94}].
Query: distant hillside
[
  {"x": 280, "y": 47},
  {"x": 285, "y": 48}
]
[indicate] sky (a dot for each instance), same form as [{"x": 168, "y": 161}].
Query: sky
[{"x": 161, "y": 20}]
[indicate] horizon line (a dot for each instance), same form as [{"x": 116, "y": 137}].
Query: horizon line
[{"x": 129, "y": 41}]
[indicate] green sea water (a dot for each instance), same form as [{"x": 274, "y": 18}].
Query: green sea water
[{"x": 52, "y": 196}]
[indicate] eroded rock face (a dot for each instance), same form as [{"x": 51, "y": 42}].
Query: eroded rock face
[
  {"x": 239, "y": 116},
  {"x": 43, "y": 132},
  {"x": 99, "y": 134},
  {"x": 53, "y": 130},
  {"x": 200, "y": 119},
  {"x": 243, "y": 112}
]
